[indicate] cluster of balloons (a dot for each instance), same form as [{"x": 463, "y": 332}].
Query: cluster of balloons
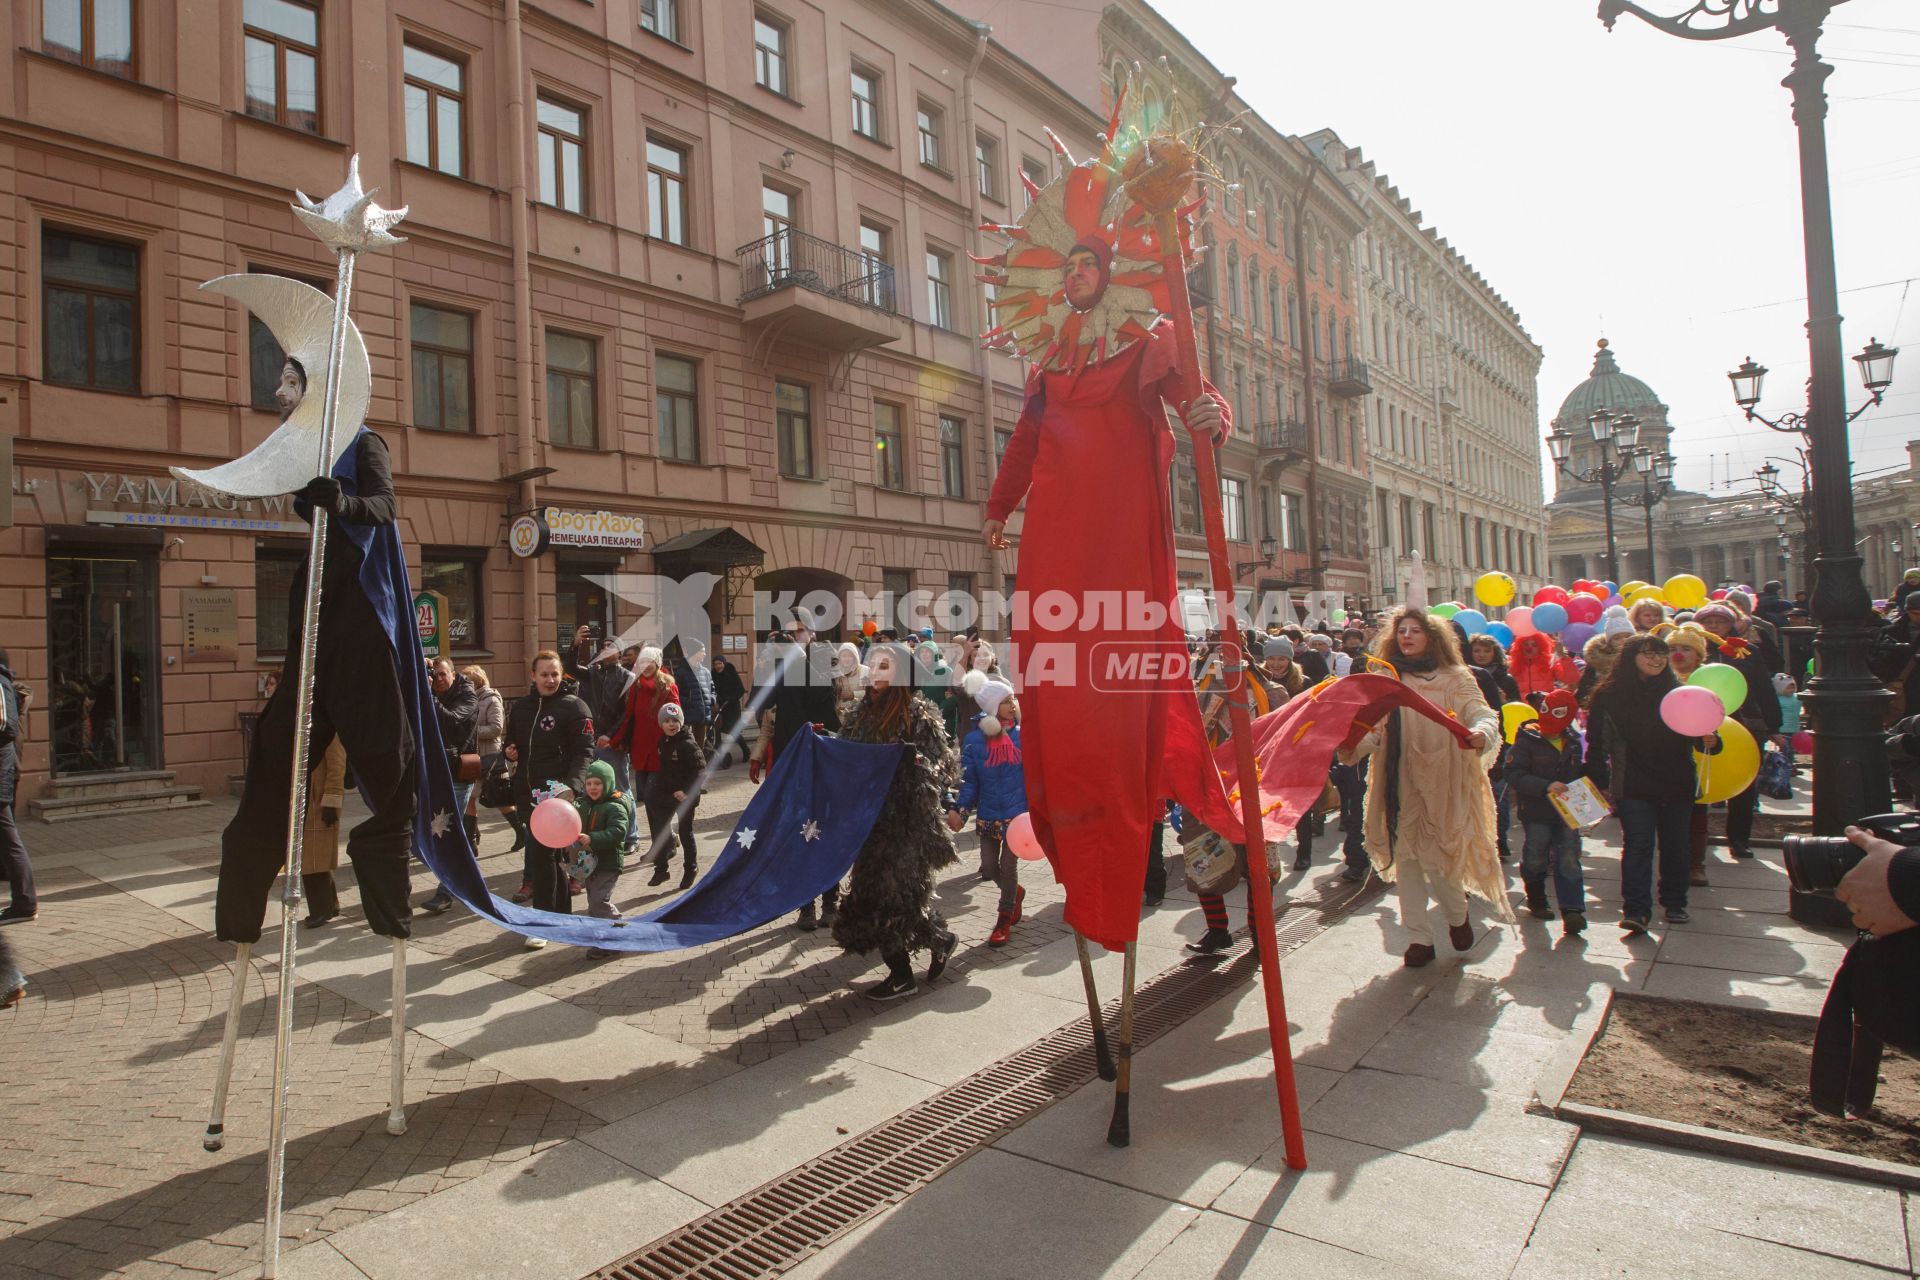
[{"x": 1703, "y": 706}]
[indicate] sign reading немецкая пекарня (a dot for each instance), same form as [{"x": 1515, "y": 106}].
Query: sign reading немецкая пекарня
[{"x": 570, "y": 528}]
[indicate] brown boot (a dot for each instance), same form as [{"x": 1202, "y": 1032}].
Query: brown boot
[
  {"x": 1461, "y": 935},
  {"x": 1418, "y": 956},
  {"x": 1697, "y": 867}
]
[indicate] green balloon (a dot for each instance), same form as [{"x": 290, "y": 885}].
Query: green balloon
[
  {"x": 1444, "y": 611},
  {"x": 1727, "y": 684}
]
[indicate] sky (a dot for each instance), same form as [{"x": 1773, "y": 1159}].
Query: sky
[{"x": 1630, "y": 185}]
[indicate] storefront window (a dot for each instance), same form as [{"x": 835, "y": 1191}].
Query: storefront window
[
  {"x": 458, "y": 575},
  {"x": 579, "y": 601},
  {"x": 274, "y": 569}
]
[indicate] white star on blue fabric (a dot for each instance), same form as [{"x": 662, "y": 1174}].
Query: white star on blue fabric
[
  {"x": 441, "y": 821},
  {"x": 746, "y": 836},
  {"x": 810, "y": 830}
]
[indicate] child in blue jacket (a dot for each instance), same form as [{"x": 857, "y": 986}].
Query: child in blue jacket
[{"x": 993, "y": 787}]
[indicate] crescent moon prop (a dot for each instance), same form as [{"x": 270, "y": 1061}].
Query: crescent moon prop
[{"x": 301, "y": 319}]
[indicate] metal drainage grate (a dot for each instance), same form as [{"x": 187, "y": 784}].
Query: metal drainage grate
[{"x": 780, "y": 1224}]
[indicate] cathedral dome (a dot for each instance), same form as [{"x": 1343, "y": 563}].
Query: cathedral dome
[{"x": 1606, "y": 388}]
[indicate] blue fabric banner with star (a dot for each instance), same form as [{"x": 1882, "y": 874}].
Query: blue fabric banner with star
[{"x": 797, "y": 839}]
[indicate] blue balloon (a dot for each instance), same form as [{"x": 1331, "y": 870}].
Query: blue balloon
[
  {"x": 1472, "y": 621},
  {"x": 1613, "y": 588},
  {"x": 1501, "y": 633},
  {"x": 1549, "y": 618}
]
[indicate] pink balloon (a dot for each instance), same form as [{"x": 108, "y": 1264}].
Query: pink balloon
[
  {"x": 1550, "y": 595},
  {"x": 1689, "y": 713},
  {"x": 555, "y": 823},
  {"x": 1584, "y": 608},
  {"x": 1520, "y": 621},
  {"x": 1803, "y": 742},
  {"x": 1022, "y": 840},
  {"x": 1720, "y": 594}
]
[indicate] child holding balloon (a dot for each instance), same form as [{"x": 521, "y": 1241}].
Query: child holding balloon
[
  {"x": 605, "y": 814},
  {"x": 993, "y": 787}
]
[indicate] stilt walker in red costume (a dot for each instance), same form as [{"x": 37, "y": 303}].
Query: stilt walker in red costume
[{"x": 1093, "y": 292}]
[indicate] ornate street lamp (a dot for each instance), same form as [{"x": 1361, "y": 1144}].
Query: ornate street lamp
[
  {"x": 1623, "y": 430},
  {"x": 1850, "y": 778},
  {"x": 1656, "y": 476},
  {"x": 1876, "y": 374}
]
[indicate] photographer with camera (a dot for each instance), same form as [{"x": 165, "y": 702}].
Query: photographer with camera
[{"x": 1875, "y": 871}]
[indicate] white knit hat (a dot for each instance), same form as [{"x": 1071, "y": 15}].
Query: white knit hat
[
  {"x": 990, "y": 695},
  {"x": 649, "y": 656}
]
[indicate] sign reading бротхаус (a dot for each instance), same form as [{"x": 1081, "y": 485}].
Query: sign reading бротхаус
[{"x": 565, "y": 527}]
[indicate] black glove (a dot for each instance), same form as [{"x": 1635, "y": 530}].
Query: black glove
[
  {"x": 323, "y": 491},
  {"x": 329, "y": 815}
]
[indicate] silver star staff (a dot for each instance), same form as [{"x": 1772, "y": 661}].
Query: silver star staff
[{"x": 349, "y": 223}]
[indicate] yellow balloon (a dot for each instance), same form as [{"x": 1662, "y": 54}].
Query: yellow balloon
[
  {"x": 1493, "y": 589},
  {"x": 1725, "y": 775},
  {"x": 1628, "y": 588},
  {"x": 1639, "y": 593},
  {"x": 1684, "y": 591},
  {"x": 1512, "y": 716}
]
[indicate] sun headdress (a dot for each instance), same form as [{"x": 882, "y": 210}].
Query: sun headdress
[{"x": 1089, "y": 206}]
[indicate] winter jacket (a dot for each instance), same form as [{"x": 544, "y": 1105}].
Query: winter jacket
[
  {"x": 490, "y": 724},
  {"x": 696, "y": 691},
  {"x": 9, "y": 735},
  {"x": 679, "y": 765},
  {"x": 729, "y": 691},
  {"x": 603, "y": 687},
  {"x": 1631, "y": 751},
  {"x": 1534, "y": 764},
  {"x": 638, "y": 730},
  {"x": 992, "y": 782},
  {"x": 805, "y": 694},
  {"x": 554, "y": 736},
  {"x": 605, "y": 822},
  {"x": 458, "y": 710},
  {"x": 1772, "y": 608}
]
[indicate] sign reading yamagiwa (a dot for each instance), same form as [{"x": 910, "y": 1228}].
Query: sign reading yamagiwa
[
  {"x": 211, "y": 619},
  {"x": 570, "y": 528}
]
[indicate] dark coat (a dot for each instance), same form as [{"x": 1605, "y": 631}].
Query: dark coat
[
  {"x": 806, "y": 695},
  {"x": 696, "y": 691},
  {"x": 729, "y": 691},
  {"x": 1632, "y": 753},
  {"x": 554, "y": 736},
  {"x": 603, "y": 687},
  {"x": 458, "y": 710},
  {"x": 1534, "y": 764},
  {"x": 680, "y": 766},
  {"x": 1760, "y": 713},
  {"x": 9, "y": 738}
]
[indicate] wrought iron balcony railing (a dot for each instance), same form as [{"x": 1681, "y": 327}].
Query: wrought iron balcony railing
[
  {"x": 790, "y": 259},
  {"x": 1288, "y": 435}
]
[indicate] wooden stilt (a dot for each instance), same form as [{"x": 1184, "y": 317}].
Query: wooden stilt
[
  {"x": 397, "y": 1106},
  {"x": 1120, "y": 1131},
  {"x": 1103, "y": 1056}
]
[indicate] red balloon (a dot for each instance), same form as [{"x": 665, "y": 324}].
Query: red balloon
[
  {"x": 1720, "y": 594},
  {"x": 1550, "y": 595},
  {"x": 1587, "y": 585},
  {"x": 1582, "y": 607}
]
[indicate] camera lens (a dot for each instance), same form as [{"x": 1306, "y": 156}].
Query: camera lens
[{"x": 1817, "y": 864}]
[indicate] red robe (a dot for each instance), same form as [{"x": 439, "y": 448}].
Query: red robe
[{"x": 1110, "y": 725}]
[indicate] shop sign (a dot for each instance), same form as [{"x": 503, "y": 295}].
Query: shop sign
[
  {"x": 181, "y": 520},
  {"x": 164, "y": 493},
  {"x": 569, "y": 528},
  {"x": 211, "y": 616},
  {"x": 527, "y": 536},
  {"x": 429, "y": 619}
]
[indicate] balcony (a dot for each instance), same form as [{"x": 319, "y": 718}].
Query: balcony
[
  {"x": 1349, "y": 378},
  {"x": 1281, "y": 440},
  {"x": 804, "y": 289}
]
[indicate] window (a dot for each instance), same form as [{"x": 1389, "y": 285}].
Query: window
[
  {"x": 435, "y": 104},
  {"x": 662, "y": 17},
  {"x": 986, "y": 162},
  {"x": 1233, "y": 282},
  {"x": 876, "y": 286},
  {"x": 866, "y": 103},
  {"x": 570, "y": 390},
  {"x": 265, "y": 359},
  {"x": 442, "y": 367},
  {"x": 563, "y": 171},
  {"x": 954, "y": 612},
  {"x": 93, "y": 33},
  {"x": 1233, "y": 507},
  {"x": 1291, "y": 536},
  {"x": 895, "y": 586},
  {"x": 930, "y": 123},
  {"x": 889, "y": 449},
  {"x": 940, "y": 289},
  {"x": 1035, "y": 173},
  {"x": 1002, "y": 437},
  {"x": 676, "y": 406},
  {"x": 276, "y": 566},
  {"x": 953, "y": 457},
  {"x": 793, "y": 427},
  {"x": 283, "y": 63},
  {"x": 666, "y": 192},
  {"x": 1253, "y": 294},
  {"x": 458, "y": 576},
  {"x": 777, "y": 221},
  {"x": 770, "y": 53},
  {"x": 91, "y": 312}
]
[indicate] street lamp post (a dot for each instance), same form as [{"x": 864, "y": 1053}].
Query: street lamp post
[
  {"x": 1785, "y": 502},
  {"x": 1623, "y": 429},
  {"x": 1656, "y": 482},
  {"x": 1850, "y": 778}
]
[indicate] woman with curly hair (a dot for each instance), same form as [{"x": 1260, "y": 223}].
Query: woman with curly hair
[
  {"x": 888, "y": 905},
  {"x": 1429, "y": 805}
]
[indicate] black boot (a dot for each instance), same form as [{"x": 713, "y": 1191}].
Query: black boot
[
  {"x": 660, "y": 873},
  {"x": 472, "y": 824},
  {"x": 689, "y": 872},
  {"x": 1537, "y": 900},
  {"x": 519, "y": 826}
]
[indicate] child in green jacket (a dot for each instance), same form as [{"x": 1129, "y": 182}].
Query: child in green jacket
[{"x": 605, "y": 817}]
